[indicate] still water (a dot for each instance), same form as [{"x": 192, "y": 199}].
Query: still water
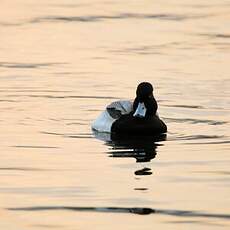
[{"x": 62, "y": 62}]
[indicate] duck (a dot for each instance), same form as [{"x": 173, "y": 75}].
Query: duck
[{"x": 132, "y": 118}]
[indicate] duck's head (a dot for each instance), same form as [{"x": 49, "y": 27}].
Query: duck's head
[{"x": 144, "y": 91}]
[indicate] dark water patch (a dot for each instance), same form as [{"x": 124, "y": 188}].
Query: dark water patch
[
  {"x": 143, "y": 172},
  {"x": 141, "y": 189},
  {"x": 27, "y": 65},
  {"x": 194, "y": 121},
  {"x": 122, "y": 16},
  {"x": 140, "y": 211},
  {"x": 35, "y": 146}
]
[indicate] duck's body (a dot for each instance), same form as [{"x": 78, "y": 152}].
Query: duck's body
[
  {"x": 138, "y": 118},
  {"x": 120, "y": 120},
  {"x": 112, "y": 113},
  {"x": 135, "y": 126}
]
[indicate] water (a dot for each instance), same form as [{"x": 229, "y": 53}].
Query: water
[{"x": 62, "y": 62}]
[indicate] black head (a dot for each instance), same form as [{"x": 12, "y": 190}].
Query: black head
[{"x": 144, "y": 91}]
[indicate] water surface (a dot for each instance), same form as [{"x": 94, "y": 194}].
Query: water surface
[{"x": 62, "y": 62}]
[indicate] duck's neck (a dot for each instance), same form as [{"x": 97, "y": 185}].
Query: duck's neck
[{"x": 140, "y": 110}]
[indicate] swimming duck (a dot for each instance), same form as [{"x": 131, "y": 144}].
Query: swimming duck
[{"x": 139, "y": 118}]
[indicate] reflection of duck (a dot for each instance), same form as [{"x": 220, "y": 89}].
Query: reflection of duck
[
  {"x": 137, "y": 118},
  {"x": 142, "y": 149}
]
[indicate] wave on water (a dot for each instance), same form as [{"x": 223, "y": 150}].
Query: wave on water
[
  {"x": 22, "y": 169},
  {"x": 99, "y": 18},
  {"x": 27, "y": 65},
  {"x": 35, "y": 146},
  {"x": 140, "y": 211},
  {"x": 186, "y": 106},
  {"x": 215, "y": 35},
  {"x": 96, "y": 18},
  {"x": 71, "y": 135},
  {"x": 62, "y": 97},
  {"x": 194, "y": 121}
]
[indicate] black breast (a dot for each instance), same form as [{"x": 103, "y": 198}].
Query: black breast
[{"x": 129, "y": 125}]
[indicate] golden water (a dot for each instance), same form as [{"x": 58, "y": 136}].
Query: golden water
[{"x": 62, "y": 62}]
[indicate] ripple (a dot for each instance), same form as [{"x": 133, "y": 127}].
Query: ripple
[
  {"x": 70, "y": 135},
  {"x": 157, "y": 49},
  {"x": 35, "y": 146},
  {"x": 122, "y": 16},
  {"x": 50, "y": 133},
  {"x": 27, "y": 65},
  {"x": 80, "y": 136},
  {"x": 21, "y": 169},
  {"x": 187, "y": 106},
  {"x": 76, "y": 123},
  {"x": 216, "y": 35},
  {"x": 61, "y": 97},
  {"x": 35, "y": 91},
  {"x": 209, "y": 143},
  {"x": 198, "y": 137},
  {"x": 76, "y": 5},
  {"x": 8, "y": 101},
  {"x": 193, "y": 163},
  {"x": 214, "y": 172},
  {"x": 194, "y": 121},
  {"x": 7, "y": 24},
  {"x": 140, "y": 211},
  {"x": 52, "y": 191}
]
